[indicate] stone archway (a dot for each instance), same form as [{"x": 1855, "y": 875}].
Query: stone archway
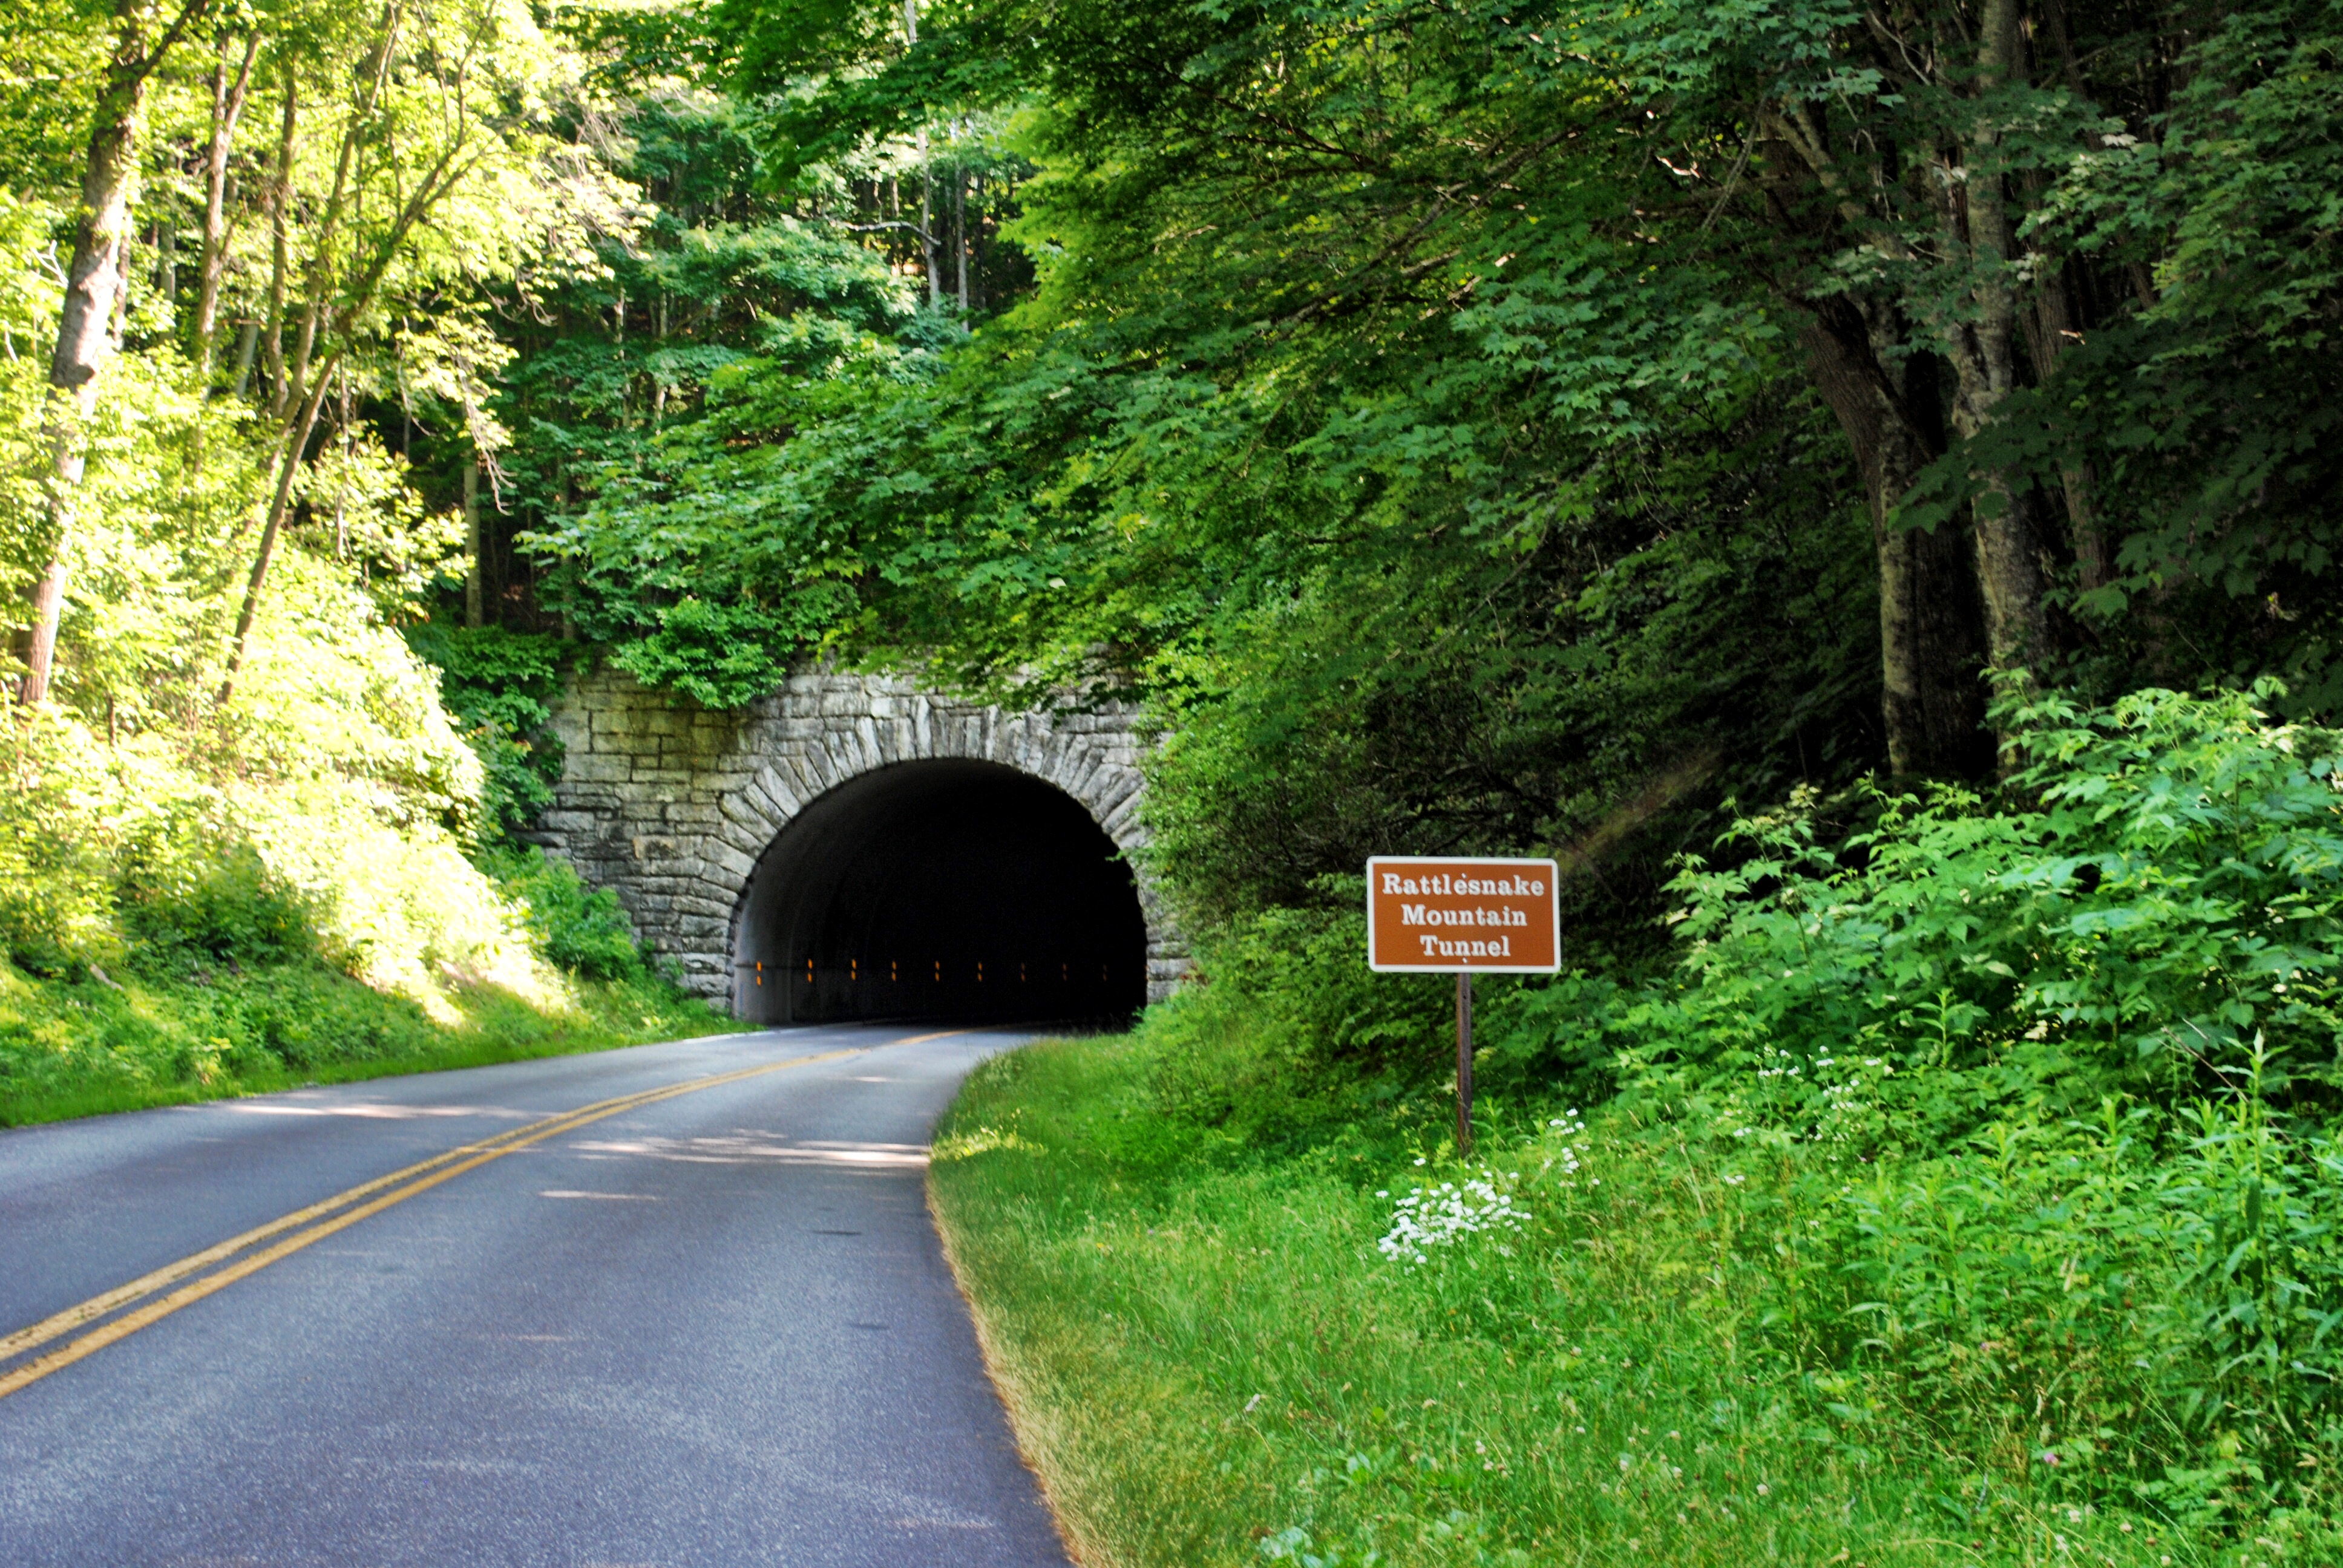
[{"x": 673, "y": 807}]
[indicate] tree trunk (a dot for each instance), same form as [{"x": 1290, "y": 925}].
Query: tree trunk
[
  {"x": 295, "y": 442},
  {"x": 248, "y": 344},
  {"x": 93, "y": 290},
  {"x": 166, "y": 262},
  {"x": 975, "y": 291},
  {"x": 928, "y": 231},
  {"x": 280, "y": 243},
  {"x": 349, "y": 452},
  {"x": 320, "y": 272},
  {"x": 2009, "y": 573},
  {"x": 960, "y": 233},
  {"x": 473, "y": 610},
  {"x": 228, "y": 107},
  {"x": 1984, "y": 354},
  {"x": 327, "y": 328},
  {"x": 2057, "y": 330},
  {"x": 1931, "y": 699},
  {"x": 927, "y": 178},
  {"x": 658, "y": 372}
]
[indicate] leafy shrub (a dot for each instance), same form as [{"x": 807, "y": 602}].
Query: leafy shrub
[
  {"x": 322, "y": 814},
  {"x": 1288, "y": 1012},
  {"x": 2162, "y": 922},
  {"x": 720, "y": 655},
  {"x": 2016, "y": 1111},
  {"x": 580, "y": 929},
  {"x": 56, "y": 891},
  {"x": 2140, "y": 1309},
  {"x": 192, "y": 896},
  {"x": 1993, "y": 1143},
  {"x": 500, "y": 686}
]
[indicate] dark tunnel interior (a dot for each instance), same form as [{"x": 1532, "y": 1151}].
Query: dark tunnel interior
[{"x": 951, "y": 889}]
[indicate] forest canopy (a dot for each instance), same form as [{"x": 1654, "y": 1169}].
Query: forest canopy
[
  {"x": 1486, "y": 425},
  {"x": 1468, "y": 426}
]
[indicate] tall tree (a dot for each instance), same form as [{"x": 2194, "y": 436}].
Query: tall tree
[
  {"x": 431, "y": 186},
  {"x": 95, "y": 280},
  {"x": 228, "y": 92}
]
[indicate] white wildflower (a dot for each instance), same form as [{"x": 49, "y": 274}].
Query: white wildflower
[{"x": 1439, "y": 1216}]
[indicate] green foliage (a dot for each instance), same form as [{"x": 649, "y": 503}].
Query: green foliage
[
  {"x": 2038, "y": 1094},
  {"x": 581, "y": 929},
  {"x": 56, "y": 886},
  {"x": 2159, "y": 924},
  {"x": 206, "y": 883},
  {"x": 628, "y": 411},
  {"x": 49, "y": 66},
  {"x": 694, "y": 556},
  {"x": 161, "y": 1037},
  {"x": 490, "y": 676},
  {"x": 2133, "y": 1309},
  {"x": 718, "y": 654},
  {"x": 1968, "y": 1174},
  {"x": 79, "y": 1047},
  {"x": 319, "y": 820},
  {"x": 499, "y": 685},
  {"x": 1516, "y": 548},
  {"x": 193, "y": 898},
  {"x": 2209, "y": 416},
  {"x": 1518, "y": 700},
  {"x": 1430, "y": 429},
  {"x": 1289, "y": 1012}
]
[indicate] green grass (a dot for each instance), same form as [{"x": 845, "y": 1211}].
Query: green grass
[
  {"x": 82, "y": 1048},
  {"x": 1210, "y": 1362}
]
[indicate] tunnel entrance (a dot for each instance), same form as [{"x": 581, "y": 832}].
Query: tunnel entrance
[{"x": 956, "y": 889}]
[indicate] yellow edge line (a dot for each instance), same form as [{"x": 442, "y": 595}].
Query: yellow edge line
[
  {"x": 480, "y": 1153},
  {"x": 923, "y": 1038}
]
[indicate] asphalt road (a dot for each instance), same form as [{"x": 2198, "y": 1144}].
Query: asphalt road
[{"x": 715, "y": 1328}]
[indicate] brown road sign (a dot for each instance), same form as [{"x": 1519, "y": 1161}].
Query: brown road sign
[{"x": 1469, "y": 916}]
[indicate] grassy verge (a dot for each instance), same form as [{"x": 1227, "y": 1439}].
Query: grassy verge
[
  {"x": 81, "y": 1048},
  {"x": 1210, "y": 1363}
]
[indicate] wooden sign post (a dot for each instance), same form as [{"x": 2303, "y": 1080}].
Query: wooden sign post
[{"x": 1427, "y": 916}]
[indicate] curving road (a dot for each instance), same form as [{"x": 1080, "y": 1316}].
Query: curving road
[{"x": 711, "y": 1326}]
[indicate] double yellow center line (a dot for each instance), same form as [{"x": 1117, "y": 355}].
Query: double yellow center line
[{"x": 256, "y": 1249}]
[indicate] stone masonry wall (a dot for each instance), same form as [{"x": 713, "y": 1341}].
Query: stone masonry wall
[{"x": 669, "y": 805}]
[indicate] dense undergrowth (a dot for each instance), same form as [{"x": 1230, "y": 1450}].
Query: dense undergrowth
[
  {"x": 184, "y": 921},
  {"x": 1964, "y": 1189},
  {"x": 174, "y": 928},
  {"x": 1212, "y": 1363},
  {"x": 169, "y": 932},
  {"x": 77, "y": 1049}
]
